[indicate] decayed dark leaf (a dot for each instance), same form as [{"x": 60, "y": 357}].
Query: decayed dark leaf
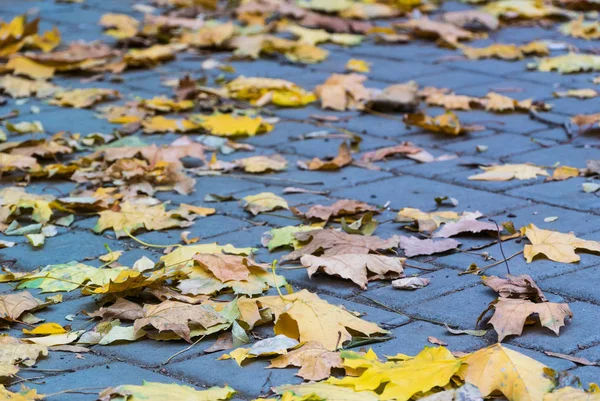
[
  {"x": 360, "y": 268},
  {"x": 343, "y": 159},
  {"x": 333, "y": 243},
  {"x": 522, "y": 287},
  {"x": 413, "y": 246},
  {"x": 345, "y": 207}
]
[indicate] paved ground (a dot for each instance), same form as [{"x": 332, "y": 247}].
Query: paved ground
[{"x": 412, "y": 317}]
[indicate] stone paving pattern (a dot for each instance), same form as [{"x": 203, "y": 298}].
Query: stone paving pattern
[{"x": 411, "y": 316}]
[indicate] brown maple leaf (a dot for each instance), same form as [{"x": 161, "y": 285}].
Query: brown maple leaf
[
  {"x": 344, "y": 207},
  {"x": 314, "y": 360},
  {"x": 121, "y": 309},
  {"x": 522, "y": 287},
  {"x": 176, "y": 317},
  {"x": 343, "y": 159},
  {"x": 12, "y": 306},
  {"x": 333, "y": 243},
  {"x": 226, "y": 267},
  {"x": 413, "y": 246},
  {"x": 467, "y": 223},
  {"x": 510, "y": 315}
]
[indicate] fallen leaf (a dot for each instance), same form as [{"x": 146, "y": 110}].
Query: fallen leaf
[
  {"x": 323, "y": 391},
  {"x": 29, "y": 68},
  {"x": 262, "y": 164},
  {"x": 46, "y": 329},
  {"x": 511, "y": 314},
  {"x": 278, "y": 92},
  {"x": 410, "y": 283},
  {"x": 436, "y": 341},
  {"x": 432, "y": 367},
  {"x": 563, "y": 173},
  {"x": 356, "y": 65},
  {"x": 131, "y": 217},
  {"x": 67, "y": 277},
  {"x": 120, "y": 26},
  {"x": 20, "y": 87},
  {"x": 231, "y": 125},
  {"x": 283, "y": 236},
  {"x": 25, "y": 394},
  {"x": 359, "y": 268},
  {"x": 151, "y": 391},
  {"x": 521, "y": 287},
  {"x": 426, "y": 28},
  {"x": 380, "y": 154},
  {"x": 396, "y": 98},
  {"x": 587, "y": 122},
  {"x": 578, "y": 93},
  {"x": 83, "y": 98},
  {"x": 568, "y": 63},
  {"x": 176, "y": 317},
  {"x": 447, "y": 123},
  {"x": 343, "y": 158},
  {"x": 530, "y": 9},
  {"x": 153, "y": 55},
  {"x": 467, "y": 223},
  {"x": 472, "y": 20},
  {"x": 278, "y": 345},
  {"x": 580, "y": 29},
  {"x": 306, "y": 317},
  {"x": 264, "y": 202},
  {"x": 509, "y": 52},
  {"x": 313, "y": 359},
  {"x": 554, "y": 245},
  {"x": 476, "y": 333},
  {"x": 344, "y": 207},
  {"x": 426, "y": 221},
  {"x": 334, "y": 243},
  {"x": 500, "y": 369},
  {"x": 507, "y": 172},
  {"x": 572, "y": 394},
  {"x": 413, "y": 246},
  {"x": 343, "y": 91},
  {"x": 12, "y": 306}
]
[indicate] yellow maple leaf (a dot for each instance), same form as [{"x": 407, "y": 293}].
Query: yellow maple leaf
[
  {"x": 162, "y": 124},
  {"x": 153, "y": 55},
  {"x": 497, "y": 368},
  {"x": 45, "y": 329},
  {"x": 232, "y": 125},
  {"x": 569, "y": 63},
  {"x": 17, "y": 87},
  {"x": 83, "y": 98},
  {"x": 432, "y": 367},
  {"x": 121, "y": 26},
  {"x": 357, "y": 65},
  {"x": 508, "y": 172},
  {"x": 531, "y": 9},
  {"x": 321, "y": 392},
  {"x": 306, "y": 317},
  {"x": 29, "y": 68},
  {"x": 267, "y": 90},
  {"x": 150, "y": 391},
  {"x": 131, "y": 217},
  {"x": 556, "y": 246},
  {"x": 264, "y": 202}
]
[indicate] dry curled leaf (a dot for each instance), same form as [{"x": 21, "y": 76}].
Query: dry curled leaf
[
  {"x": 343, "y": 91},
  {"x": 314, "y": 360},
  {"x": 264, "y": 202},
  {"x": 447, "y": 123},
  {"x": 359, "y": 268},
  {"x": 413, "y": 246},
  {"x": 522, "y": 287},
  {"x": 467, "y": 223},
  {"x": 344, "y": 207},
  {"x": 511, "y": 314},
  {"x": 410, "y": 283},
  {"x": 508, "y": 172},
  {"x": 343, "y": 158},
  {"x": 334, "y": 243}
]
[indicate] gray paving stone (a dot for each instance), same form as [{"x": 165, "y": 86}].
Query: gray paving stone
[
  {"x": 497, "y": 146},
  {"x": 566, "y": 155},
  {"x": 98, "y": 377},
  {"x": 587, "y": 374},
  {"x": 592, "y": 354},
  {"x": 442, "y": 282},
  {"x": 577, "y": 333},
  {"x": 568, "y": 194},
  {"x": 442, "y": 168},
  {"x": 584, "y": 290},
  {"x": 420, "y": 193},
  {"x": 411, "y": 338}
]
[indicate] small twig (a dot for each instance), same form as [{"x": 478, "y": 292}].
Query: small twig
[
  {"x": 183, "y": 350},
  {"x": 47, "y": 370},
  {"x": 400, "y": 312},
  {"x": 500, "y": 243},
  {"x": 419, "y": 267},
  {"x": 484, "y": 268},
  {"x": 75, "y": 390}
]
